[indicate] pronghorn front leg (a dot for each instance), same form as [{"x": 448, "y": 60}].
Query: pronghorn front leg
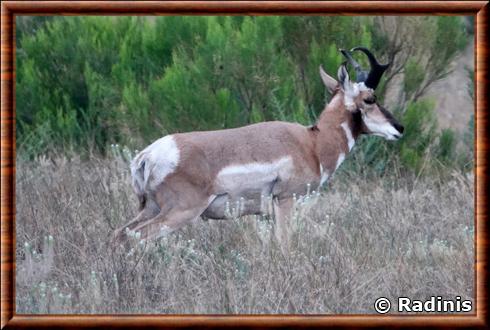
[{"x": 282, "y": 213}]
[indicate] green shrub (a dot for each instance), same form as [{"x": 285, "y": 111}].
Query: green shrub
[
  {"x": 414, "y": 77},
  {"x": 446, "y": 147},
  {"x": 84, "y": 83}
]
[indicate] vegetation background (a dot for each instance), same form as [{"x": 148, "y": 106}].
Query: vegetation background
[{"x": 396, "y": 220}]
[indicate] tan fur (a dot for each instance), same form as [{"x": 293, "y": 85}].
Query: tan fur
[{"x": 193, "y": 189}]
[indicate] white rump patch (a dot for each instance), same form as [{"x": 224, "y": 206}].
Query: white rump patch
[
  {"x": 253, "y": 176},
  {"x": 159, "y": 160},
  {"x": 340, "y": 160},
  {"x": 348, "y": 135}
]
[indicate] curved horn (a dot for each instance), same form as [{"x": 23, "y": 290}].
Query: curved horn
[
  {"x": 361, "y": 75},
  {"x": 377, "y": 69}
]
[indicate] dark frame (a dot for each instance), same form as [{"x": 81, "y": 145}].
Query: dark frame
[{"x": 9, "y": 9}]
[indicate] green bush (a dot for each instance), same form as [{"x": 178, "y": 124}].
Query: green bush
[
  {"x": 84, "y": 83},
  {"x": 446, "y": 147},
  {"x": 414, "y": 77}
]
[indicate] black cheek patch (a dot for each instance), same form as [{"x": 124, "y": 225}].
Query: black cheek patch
[
  {"x": 370, "y": 100},
  {"x": 386, "y": 113}
]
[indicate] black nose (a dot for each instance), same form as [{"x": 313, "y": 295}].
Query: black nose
[{"x": 398, "y": 127}]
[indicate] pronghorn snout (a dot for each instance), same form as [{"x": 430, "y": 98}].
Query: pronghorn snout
[
  {"x": 400, "y": 129},
  {"x": 380, "y": 122}
]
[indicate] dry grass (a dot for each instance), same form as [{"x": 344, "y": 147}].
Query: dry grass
[{"x": 351, "y": 245}]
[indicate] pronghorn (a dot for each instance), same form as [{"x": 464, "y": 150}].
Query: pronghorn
[{"x": 186, "y": 175}]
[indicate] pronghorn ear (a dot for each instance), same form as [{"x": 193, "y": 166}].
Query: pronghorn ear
[
  {"x": 344, "y": 80},
  {"x": 350, "y": 90},
  {"x": 343, "y": 76},
  {"x": 328, "y": 81}
]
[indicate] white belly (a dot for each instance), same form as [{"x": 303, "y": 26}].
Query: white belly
[
  {"x": 245, "y": 186},
  {"x": 251, "y": 178}
]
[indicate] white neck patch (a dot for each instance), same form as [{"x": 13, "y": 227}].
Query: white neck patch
[
  {"x": 348, "y": 135},
  {"x": 340, "y": 160},
  {"x": 323, "y": 176}
]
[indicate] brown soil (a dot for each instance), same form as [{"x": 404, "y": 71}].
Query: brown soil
[{"x": 454, "y": 105}]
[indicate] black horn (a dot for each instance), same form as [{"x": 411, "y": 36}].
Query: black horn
[
  {"x": 361, "y": 75},
  {"x": 377, "y": 69}
]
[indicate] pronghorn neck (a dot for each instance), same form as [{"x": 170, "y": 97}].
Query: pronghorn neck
[{"x": 338, "y": 129}]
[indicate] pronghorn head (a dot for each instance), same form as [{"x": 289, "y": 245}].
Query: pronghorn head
[{"x": 359, "y": 96}]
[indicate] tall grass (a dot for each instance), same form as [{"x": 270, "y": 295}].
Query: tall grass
[{"x": 359, "y": 240}]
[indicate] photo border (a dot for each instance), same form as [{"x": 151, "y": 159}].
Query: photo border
[{"x": 9, "y": 9}]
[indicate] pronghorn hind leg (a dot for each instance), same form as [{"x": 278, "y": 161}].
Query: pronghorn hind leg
[
  {"x": 150, "y": 210},
  {"x": 167, "y": 221},
  {"x": 283, "y": 213}
]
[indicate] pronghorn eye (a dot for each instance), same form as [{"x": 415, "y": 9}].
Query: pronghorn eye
[{"x": 370, "y": 100}]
